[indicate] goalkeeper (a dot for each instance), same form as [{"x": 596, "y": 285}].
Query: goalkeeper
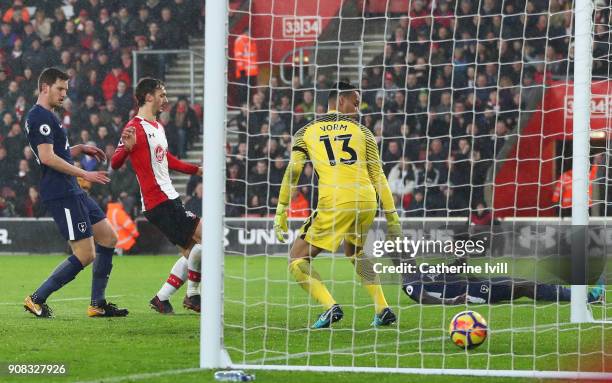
[{"x": 345, "y": 157}]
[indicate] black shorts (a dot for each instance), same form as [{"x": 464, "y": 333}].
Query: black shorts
[{"x": 177, "y": 224}]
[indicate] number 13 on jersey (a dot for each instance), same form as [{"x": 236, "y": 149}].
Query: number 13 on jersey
[{"x": 345, "y": 138}]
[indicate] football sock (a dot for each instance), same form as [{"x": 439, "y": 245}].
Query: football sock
[
  {"x": 194, "y": 266},
  {"x": 370, "y": 280},
  {"x": 548, "y": 293},
  {"x": 175, "y": 280},
  {"x": 63, "y": 273},
  {"x": 310, "y": 281},
  {"x": 101, "y": 269}
]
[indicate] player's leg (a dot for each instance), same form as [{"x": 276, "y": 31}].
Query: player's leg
[
  {"x": 317, "y": 234},
  {"x": 179, "y": 226},
  {"x": 353, "y": 248},
  {"x": 383, "y": 315},
  {"x": 310, "y": 281},
  {"x": 541, "y": 292},
  {"x": 178, "y": 275},
  {"x": 197, "y": 233},
  {"x": 194, "y": 276},
  {"x": 73, "y": 222},
  {"x": 105, "y": 239}
]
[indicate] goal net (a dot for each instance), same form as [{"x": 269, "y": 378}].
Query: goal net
[{"x": 492, "y": 119}]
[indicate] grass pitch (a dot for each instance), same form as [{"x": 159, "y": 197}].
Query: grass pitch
[{"x": 266, "y": 321}]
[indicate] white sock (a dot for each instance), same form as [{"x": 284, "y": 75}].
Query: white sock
[
  {"x": 194, "y": 275},
  {"x": 175, "y": 280}
]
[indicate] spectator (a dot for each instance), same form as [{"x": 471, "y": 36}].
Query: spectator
[
  {"x": 124, "y": 226},
  {"x": 138, "y": 26},
  {"x": 172, "y": 33},
  {"x": 32, "y": 206},
  {"x": 42, "y": 25},
  {"x": 111, "y": 82},
  {"x": 7, "y": 167},
  {"x": 28, "y": 85},
  {"x": 15, "y": 141},
  {"x": 124, "y": 187},
  {"x": 103, "y": 138},
  {"x": 70, "y": 37},
  {"x": 123, "y": 22},
  {"x": 194, "y": 204},
  {"x": 246, "y": 64},
  {"x": 23, "y": 178},
  {"x": 87, "y": 35},
  {"x": 107, "y": 113},
  {"x": 299, "y": 205},
  {"x": 402, "y": 183},
  {"x": 7, "y": 37},
  {"x": 59, "y": 22},
  {"x": 235, "y": 189},
  {"x": 89, "y": 163},
  {"x": 124, "y": 101},
  {"x": 7, "y": 205},
  {"x": 16, "y": 12},
  {"x": 185, "y": 121}
]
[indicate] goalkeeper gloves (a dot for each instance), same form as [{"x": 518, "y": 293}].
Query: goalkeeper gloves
[
  {"x": 280, "y": 222},
  {"x": 394, "y": 229}
]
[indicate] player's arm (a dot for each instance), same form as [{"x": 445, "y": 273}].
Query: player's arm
[
  {"x": 127, "y": 144},
  {"x": 427, "y": 299},
  {"x": 381, "y": 185},
  {"x": 419, "y": 294},
  {"x": 91, "y": 150},
  {"x": 299, "y": 156},
  {"x": 48, "y": 158},
  {"x": 181, "y": 166}
]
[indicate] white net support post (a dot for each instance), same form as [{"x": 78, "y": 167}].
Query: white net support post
[
  {"x": 212, "y": 353},
  {"x": 583, "y": 42}
]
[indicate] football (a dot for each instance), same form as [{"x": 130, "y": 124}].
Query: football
[{"x": 468, "y": 329}]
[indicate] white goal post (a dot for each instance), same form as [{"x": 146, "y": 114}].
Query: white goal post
[{"x": 341, "y": 350}]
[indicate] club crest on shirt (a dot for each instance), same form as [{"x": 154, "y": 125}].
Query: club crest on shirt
[
  {"x": 82, "y": 226},
  {"x": 159, "y": 153}
]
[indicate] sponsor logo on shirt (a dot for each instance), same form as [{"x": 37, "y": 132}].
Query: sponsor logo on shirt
[{"x": 159, "y": 153}]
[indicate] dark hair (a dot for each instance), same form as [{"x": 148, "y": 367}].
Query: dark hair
[
  {"x": 146, "y": 85},
  {"x": 340, "y": 88},
  {"x": 49, "y": 76}
]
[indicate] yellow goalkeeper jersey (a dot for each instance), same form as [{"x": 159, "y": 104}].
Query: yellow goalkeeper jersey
[{"x": 345, "y": 157}]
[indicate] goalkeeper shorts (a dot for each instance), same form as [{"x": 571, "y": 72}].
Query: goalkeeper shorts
[{"x": 326, "y": 228}]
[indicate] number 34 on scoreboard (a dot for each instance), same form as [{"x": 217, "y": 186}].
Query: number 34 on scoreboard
[{"x": 301, "y": 26}]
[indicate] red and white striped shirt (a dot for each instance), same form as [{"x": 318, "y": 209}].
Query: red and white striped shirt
[{"x": 151, "y": 160}]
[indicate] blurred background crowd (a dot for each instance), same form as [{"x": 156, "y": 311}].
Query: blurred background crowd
[
  {"x": 441, "y": 99},
  {"x": 92, "y": 41}
]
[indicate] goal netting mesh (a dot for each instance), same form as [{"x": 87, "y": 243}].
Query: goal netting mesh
[{"x": 471, "y": 104}]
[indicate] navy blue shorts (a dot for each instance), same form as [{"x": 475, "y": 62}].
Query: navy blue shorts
[{"x": 75, "y": 215}]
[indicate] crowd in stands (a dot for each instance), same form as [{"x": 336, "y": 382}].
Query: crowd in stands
[
  {"x": 92, "y": 41},
  {"x": 441, "y": 99}
]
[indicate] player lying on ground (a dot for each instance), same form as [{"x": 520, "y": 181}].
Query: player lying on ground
[
  {"x": 143, "y": 140},
  {"x": 80, "y": 220},
  {"x": 461, "y": 288},
  {"x": 345, "y": 157}
]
